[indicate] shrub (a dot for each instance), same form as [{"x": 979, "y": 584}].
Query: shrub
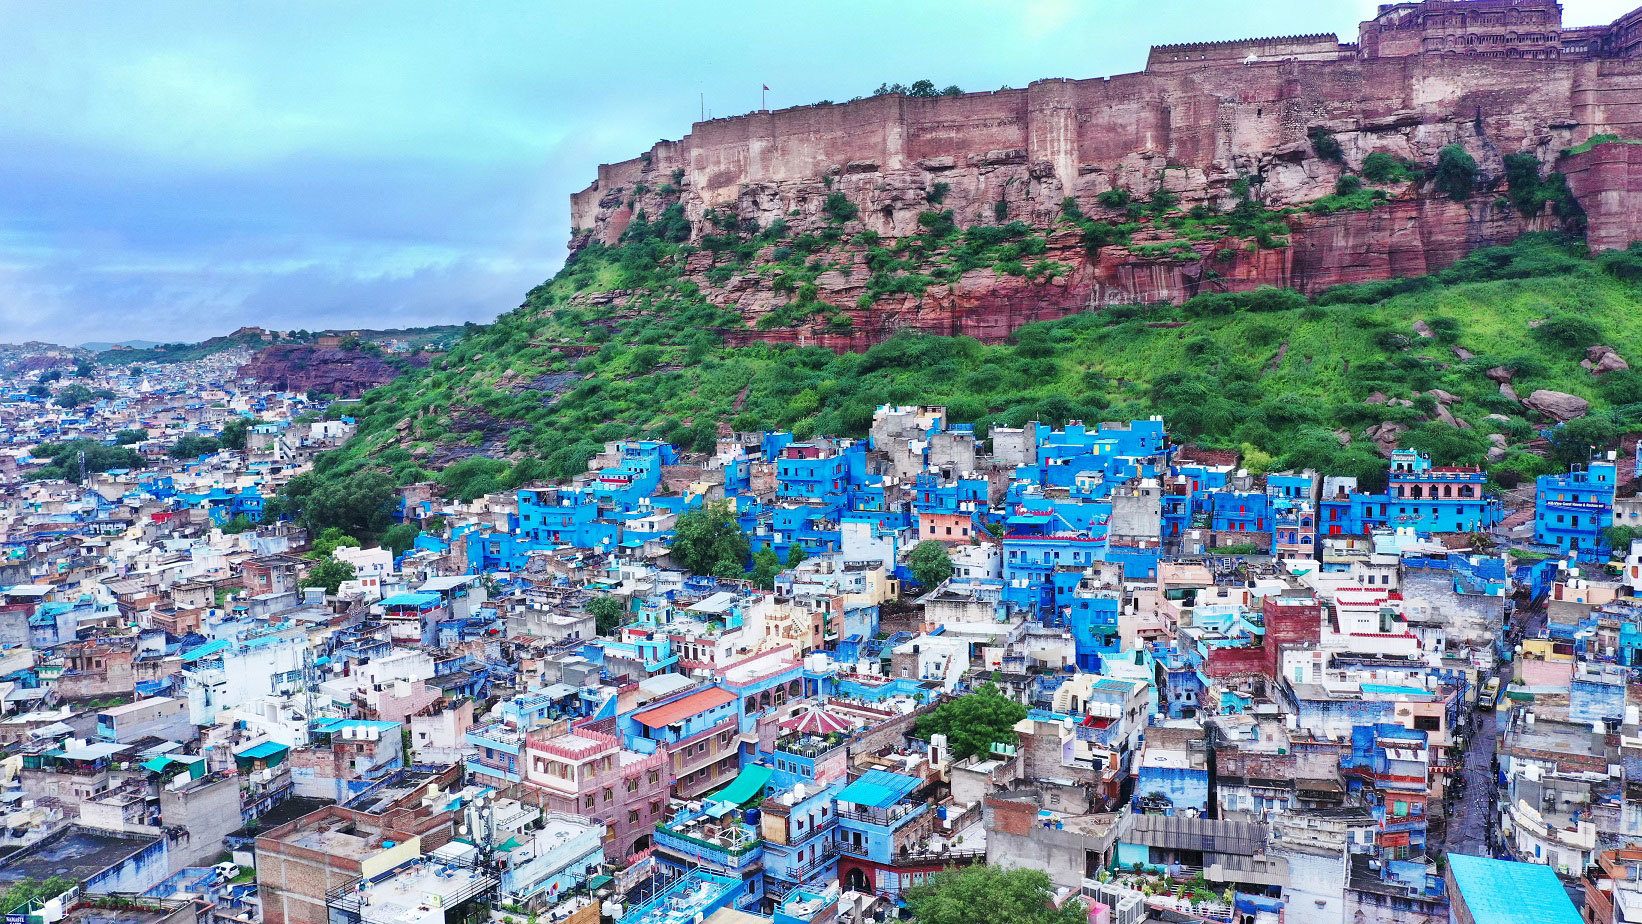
[
  {"x": 1568, "y": 332},
  {"x": 1115, "y": 199},
  {"x": 1456, "y": 174},
  {"x": 839, "y": 208},
  {"x": 1347, "y": 184},
  {"x": 937, "y": 193},
  {"x": 1326, "y": 145},
  {"x": 1380, "y": 167}
]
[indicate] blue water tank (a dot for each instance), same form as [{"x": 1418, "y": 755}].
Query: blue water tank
[{"x": 750, "y": 817}]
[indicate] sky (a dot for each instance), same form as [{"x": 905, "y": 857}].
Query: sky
[{"x": 172, "y": 171}]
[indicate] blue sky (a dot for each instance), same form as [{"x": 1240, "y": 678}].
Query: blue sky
[{"x": 172, "y": 171}]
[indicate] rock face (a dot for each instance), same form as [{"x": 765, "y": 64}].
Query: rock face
[
  {"x": 301, "y": 368},
  {"x": 1202, "y": 123},
  {"x": 1557, "y": 405}
]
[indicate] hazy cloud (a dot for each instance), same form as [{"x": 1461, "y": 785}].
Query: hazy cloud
[{"x": 172, "y": 170}]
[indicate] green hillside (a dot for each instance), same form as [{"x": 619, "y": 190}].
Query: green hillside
[{"x": 533, "y": 395}]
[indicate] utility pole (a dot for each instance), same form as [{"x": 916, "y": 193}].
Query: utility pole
[{"x": 704, "y": 106}]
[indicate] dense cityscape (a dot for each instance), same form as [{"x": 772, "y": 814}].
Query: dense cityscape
[
  {"x": 1201, "y": 489},
  {"x": 796, "y": 679}
]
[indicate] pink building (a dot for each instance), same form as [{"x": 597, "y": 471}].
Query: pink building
[{"x": 589, "y": 773}]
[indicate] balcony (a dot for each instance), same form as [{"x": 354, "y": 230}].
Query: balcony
[
  {"x": 730, "y": 845},
  {"x": 893, "y": 817}
]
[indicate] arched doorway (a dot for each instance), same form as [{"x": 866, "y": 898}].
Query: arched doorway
[{"x": 856, "y": 880}]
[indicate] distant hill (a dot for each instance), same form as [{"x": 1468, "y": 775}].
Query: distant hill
[
  {"x": 256, "y": 338},
  {"x": 103, "y": 346}
]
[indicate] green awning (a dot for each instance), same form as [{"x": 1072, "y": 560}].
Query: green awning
[
  {"x": 510, "y": 844},
  {"x": 747, "y": 786}
]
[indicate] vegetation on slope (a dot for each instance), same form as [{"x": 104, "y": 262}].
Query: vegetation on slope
[{"x": 1281, "y": 377}]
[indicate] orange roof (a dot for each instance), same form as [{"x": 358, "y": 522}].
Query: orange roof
[{"x": 680, "y": 709}]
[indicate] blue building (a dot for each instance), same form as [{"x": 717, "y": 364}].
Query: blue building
[{"x": 1572, "y": 511}]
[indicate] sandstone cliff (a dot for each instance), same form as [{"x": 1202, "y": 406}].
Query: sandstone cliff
[
  {"x": 1198, "y": 123},
  {"x": 346, "y": 373}
]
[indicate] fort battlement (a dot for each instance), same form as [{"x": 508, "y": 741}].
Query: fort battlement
[{"x": 1493, "y": 76}]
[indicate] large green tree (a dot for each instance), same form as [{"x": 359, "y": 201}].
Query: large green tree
[
  {"x": 974, "y": 722},
  {"x": 990, "y": 895},
  {"x": 233, "y": 433},
  {"x": 709, "y": 541},
  {"x": 608, "y": 613},
  {"x": 930, "y": 562},
  {"x": 766, "y": 565},
  {"x": 329, "y": 574}
]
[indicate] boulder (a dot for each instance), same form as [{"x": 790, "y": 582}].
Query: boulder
[
  {"x": 1376, "y": 398},
  {"x": 1343, "y": 435},
  {"x": 1386, "y": 435},
  {"x": 1496, "y": 453},
  {"x": 1509, "y": 392},
  {"x": 1601, "y": 359},
  {"x": 1558, "y": 405},
  {"x": 1500, "y": 374},
  {"x": 1443, "y": 397},
  {"x": 1463, "y": 354},
  {"x": 1447, "y": 417},
  {"x": 1424, "y": 330}
]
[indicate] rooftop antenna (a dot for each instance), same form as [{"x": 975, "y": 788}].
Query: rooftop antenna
[{"x": 81, "y": 456}]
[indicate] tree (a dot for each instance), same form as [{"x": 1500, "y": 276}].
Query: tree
[
  {"x": 75, "y": 395},
  {"x": 192, "y": 446},
  {"x": 709, "y": 541},
  {"x": 360, "y": 504},
  {"x": 1325, "y": 144},
  {"x": 766, "y": 565},
  {"x": 985, "y": 894},
  {"x": 974, "y": 722},
  {"x": 400, "y": 538},
  {"x": 127, "y": 437},
  {"x": 330, "y": 539},
  {"x": 930, "y": 563},
  {"x": 239, "y": 524},
  {"x": 608, "y": 613},
  {"x": 330, "y": 573},
  {"x": 233, "y": 433},
  {"x": 1620, "y": 538}
]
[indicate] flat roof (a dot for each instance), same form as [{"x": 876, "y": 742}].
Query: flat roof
[
  {"x": 879, "y": 788},
  {"x": 76, "y": 852},
  {"x": 1504, "y": 892}
]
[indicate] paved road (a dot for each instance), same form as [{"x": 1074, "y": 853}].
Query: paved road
[{"x": 1471, "y": 822}]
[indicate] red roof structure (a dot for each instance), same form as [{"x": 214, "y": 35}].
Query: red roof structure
[{"x": 680, "y": 709}]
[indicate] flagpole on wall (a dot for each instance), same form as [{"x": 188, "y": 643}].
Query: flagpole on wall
[{"x": 764, "y": 97}]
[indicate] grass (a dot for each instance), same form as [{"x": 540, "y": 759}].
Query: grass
[{"x": 538, "y": 392}]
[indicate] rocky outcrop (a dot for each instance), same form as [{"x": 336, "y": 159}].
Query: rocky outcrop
[
  {"x": 1206, "y": 124},
  {"x": 1557, "y": 405},
  {"x": 1602, "y": 359},
  {"x": 346, "y": 373}
]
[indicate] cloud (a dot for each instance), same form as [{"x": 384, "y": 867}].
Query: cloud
[{"x": 174, "y": 169}]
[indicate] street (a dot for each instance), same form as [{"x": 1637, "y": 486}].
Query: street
[{"x": 1471, "y": 820}]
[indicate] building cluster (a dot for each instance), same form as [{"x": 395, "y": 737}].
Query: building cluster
[{"x": 1241, "y": 696}]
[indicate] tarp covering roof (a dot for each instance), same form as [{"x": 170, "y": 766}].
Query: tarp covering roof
[
  {"x": 748, "y": 785},
  {"x": 879, "y": 788}
]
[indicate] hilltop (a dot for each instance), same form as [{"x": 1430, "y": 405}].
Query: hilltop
[
  {"x": 1300, "y": 248},
  {"x": 1327, "y": 383}
]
